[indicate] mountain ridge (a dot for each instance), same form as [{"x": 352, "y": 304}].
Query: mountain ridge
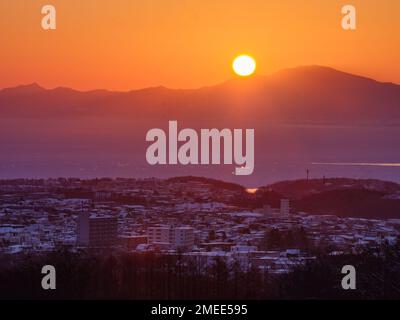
[
  {"x": 311, "y": 94},
  {"x": 302, "y": 68}
]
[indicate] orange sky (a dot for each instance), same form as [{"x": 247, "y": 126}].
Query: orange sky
[{"x": 128, "y": 44}]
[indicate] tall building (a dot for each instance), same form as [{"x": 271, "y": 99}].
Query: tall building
[
  {"x": 285, "y": 206},
  {"x": 173, "y": 237},
  {"x": 97, "y": 231},
  {"x": 184, "y": 237}
]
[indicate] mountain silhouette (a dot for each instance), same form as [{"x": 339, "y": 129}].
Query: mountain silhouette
[
  {"x": 313, "y": 94},
  {"x": 300, "y": 116}
]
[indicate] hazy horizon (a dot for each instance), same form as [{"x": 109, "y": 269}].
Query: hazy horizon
[{"x": 231, "y": 78}]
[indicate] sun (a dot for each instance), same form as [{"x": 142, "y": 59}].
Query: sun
[{"x": 244, "y": 65}]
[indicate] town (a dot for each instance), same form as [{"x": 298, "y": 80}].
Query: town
[{"x": 197, "y": 218}]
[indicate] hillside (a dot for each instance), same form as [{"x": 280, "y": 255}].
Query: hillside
[{"x": 341, "y": 197}]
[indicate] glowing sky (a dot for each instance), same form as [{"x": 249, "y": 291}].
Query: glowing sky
[{"x": 128, "y": 44}]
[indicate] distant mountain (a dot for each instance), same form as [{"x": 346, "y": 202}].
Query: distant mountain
[
  {"x": 32, "y": 88},
  {"x": 300, "y": 116},
  {"x": 313, "y": 94}
]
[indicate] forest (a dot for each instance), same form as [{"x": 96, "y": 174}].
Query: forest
[{"x": 118, "y": 275}]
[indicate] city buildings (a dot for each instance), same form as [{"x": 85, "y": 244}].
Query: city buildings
[{"x": 194, "y": 217}]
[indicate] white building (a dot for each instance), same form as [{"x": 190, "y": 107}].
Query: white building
[
  {"x": 285, "y": 207},
  {"x": 173, "y": 237},
  {"x": 13, "y": 234}
]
